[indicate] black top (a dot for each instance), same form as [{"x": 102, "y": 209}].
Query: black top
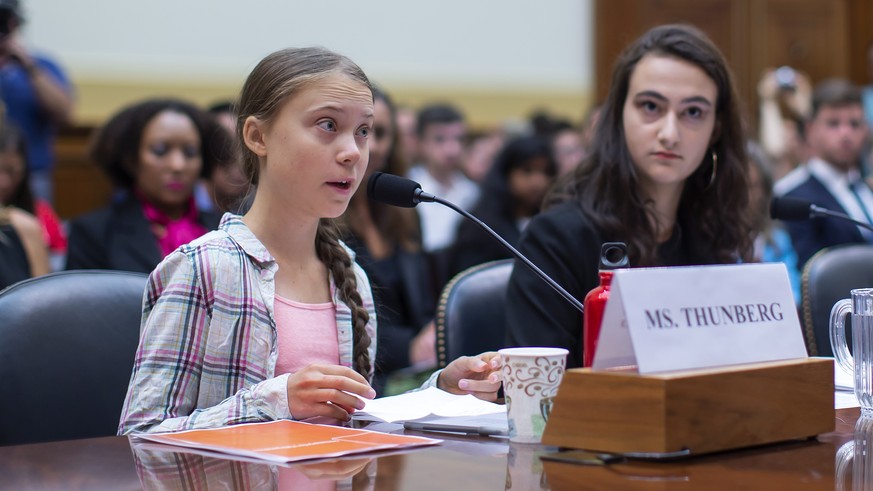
[
  {"x": 120, "y": 237},
  {"x": 566, "y": 246},
  {"x": 404, "y": 303},
  {"x": 811, "y": 236},
  {"x": 14, "y": 265}
]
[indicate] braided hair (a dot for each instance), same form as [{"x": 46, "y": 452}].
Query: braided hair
[{"x": 276, "y": 78}]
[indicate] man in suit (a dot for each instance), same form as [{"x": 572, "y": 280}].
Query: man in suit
[{"x": 831, "y": 178}]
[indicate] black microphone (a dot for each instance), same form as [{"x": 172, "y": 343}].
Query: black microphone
[
  {"x": 406, "y": 193},
  {"x": 795, "y": 209}
]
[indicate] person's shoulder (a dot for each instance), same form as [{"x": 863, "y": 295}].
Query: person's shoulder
[
  {"x": 23, "y": 222},
  {"x": 46, "y": 60},
  {"x": 795, "y": 179},
  {"x": 567, "y": 218}
]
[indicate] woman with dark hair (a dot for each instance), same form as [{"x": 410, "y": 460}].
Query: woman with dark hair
[
  {"x": 668, "y": 175},
  {"x": 387, "y": 244},
  {"x": 511, "y": 195},
  {"x": 15, "y": 188},
  {"x": 155, "y": 151}
]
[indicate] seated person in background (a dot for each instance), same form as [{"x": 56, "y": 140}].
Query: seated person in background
[
  {"x": 155, "y": 150},
  {"x": 387, "y": 244},
  {"x": 772, "y": 244},
  {"x": 23, "y": 253},
  {"x": 664, "y": 177},
  {"x": 226, "y": 188},
  {"x": 567, "y": 146},
  {"x": 832, "y": 177},
  {"x": 511, "y": 195},
  {"x": 15, "y": 190},
  {"x": 270, "y": 317},
  {"x": 482, "y": 149},
  {"x": 37, "y": 97},
  {"x": 441, "y": 136}
]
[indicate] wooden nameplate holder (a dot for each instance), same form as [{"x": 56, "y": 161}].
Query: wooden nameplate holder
[{"x": 700, "y": 411}]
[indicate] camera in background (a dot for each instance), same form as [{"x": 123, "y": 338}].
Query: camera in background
[{"x": 786, "y": 78}]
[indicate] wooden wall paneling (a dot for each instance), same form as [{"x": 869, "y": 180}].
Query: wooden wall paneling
[
  {"x": 809, "y": 35},
  {"x": 860, "y": 22},
  {"x": 80, "y": 186},
  {"x": 619, "y": 22}
]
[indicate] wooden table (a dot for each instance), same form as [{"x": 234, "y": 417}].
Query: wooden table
[{"x": 458, "y": 464}]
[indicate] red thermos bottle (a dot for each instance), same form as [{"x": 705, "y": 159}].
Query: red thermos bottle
[{"x": 613, "y": 255}]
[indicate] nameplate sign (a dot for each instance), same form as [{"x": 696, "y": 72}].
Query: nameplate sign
[{"x": 664, "y": 319}]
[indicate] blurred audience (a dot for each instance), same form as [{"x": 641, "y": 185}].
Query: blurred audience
[
  {"x": 785, "y": 98},
  {"x": 566, "y": 140},
  {"x": 481, "y": 151},
  {"x": 15, "y": 190},
  {"x": 407, "y": 134},
  {"x": 511, "y": 195},
  {"x": 387, "y": 244},
  {"x": 772, "y": 244},
  {"x": 831, "y": 178},
  {"x": 589, "y": 128},
  {"x": 37, "y": 95},
  {"x": 568, "y": 147},
  {"x": 867, "y": 90},
  {"x": 23, "y": 253},
  {"x": 441, "y": 135},
  {"x": 225, "y": 190},
  {"x": 155, "y": 151}
]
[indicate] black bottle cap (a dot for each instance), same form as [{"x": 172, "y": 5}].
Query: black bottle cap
[{"x": 613, "y": 255}]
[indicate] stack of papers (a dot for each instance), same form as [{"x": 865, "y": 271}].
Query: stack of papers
[{"x": 434, "y": 408}]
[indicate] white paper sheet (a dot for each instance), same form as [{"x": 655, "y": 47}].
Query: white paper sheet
[{"x": 430, "y": 402}]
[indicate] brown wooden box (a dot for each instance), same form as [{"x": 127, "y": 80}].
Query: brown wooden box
[{"x": 702, "y": 410}]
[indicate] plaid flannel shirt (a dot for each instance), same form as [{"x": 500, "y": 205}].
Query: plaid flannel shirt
[{"x": 207, "y": 350}]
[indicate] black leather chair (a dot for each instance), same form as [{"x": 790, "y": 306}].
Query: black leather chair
[
  {"x": 67, "y": 345},
  {"x": 827, "y": 277},
  {"x": 471, "y": 316}
]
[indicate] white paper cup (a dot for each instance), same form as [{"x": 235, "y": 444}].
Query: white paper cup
[{"x": 531, "y": 377}]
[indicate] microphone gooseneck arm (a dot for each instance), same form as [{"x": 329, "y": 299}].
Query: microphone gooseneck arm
[
  {"x": 429, "y": 198},
  {"x": 818, "y": 211}
]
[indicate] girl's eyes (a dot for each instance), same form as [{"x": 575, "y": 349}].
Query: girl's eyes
[
  {"x": 327, "y": 125},
  {"x": 330, "y": 125}
]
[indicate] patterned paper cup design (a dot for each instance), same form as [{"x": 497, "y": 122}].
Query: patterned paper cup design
[{"x": 531, "y": 377}]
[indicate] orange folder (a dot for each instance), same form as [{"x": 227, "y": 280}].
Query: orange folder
[{"x": 287, "y": 441}]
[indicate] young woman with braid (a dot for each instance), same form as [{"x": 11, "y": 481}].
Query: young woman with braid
[{"x": 269, "y": 317}]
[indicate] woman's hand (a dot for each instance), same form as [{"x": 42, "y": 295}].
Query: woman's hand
[
  {"x": 478, "y": 375},
  {"x": 328, "y": 391}
]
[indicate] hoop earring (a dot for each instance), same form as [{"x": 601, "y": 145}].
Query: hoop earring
[{"x": 714, "y": 169}]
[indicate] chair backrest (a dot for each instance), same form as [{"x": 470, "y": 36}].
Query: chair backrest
[
  {"x": 471, "y": 315},
  {"x": 67, "y": 345},
  {"x": 829, "y": 276}
]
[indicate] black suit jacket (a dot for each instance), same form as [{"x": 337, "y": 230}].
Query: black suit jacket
[
  {"x": 14, "y": 265},
  {"x": 565, "y": 244},
  {"x": 810, "y": 236},
  {"x": 119, "y": 237}
]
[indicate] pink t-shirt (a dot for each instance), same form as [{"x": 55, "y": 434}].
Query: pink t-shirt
[{"x": 307, "y": 334}]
